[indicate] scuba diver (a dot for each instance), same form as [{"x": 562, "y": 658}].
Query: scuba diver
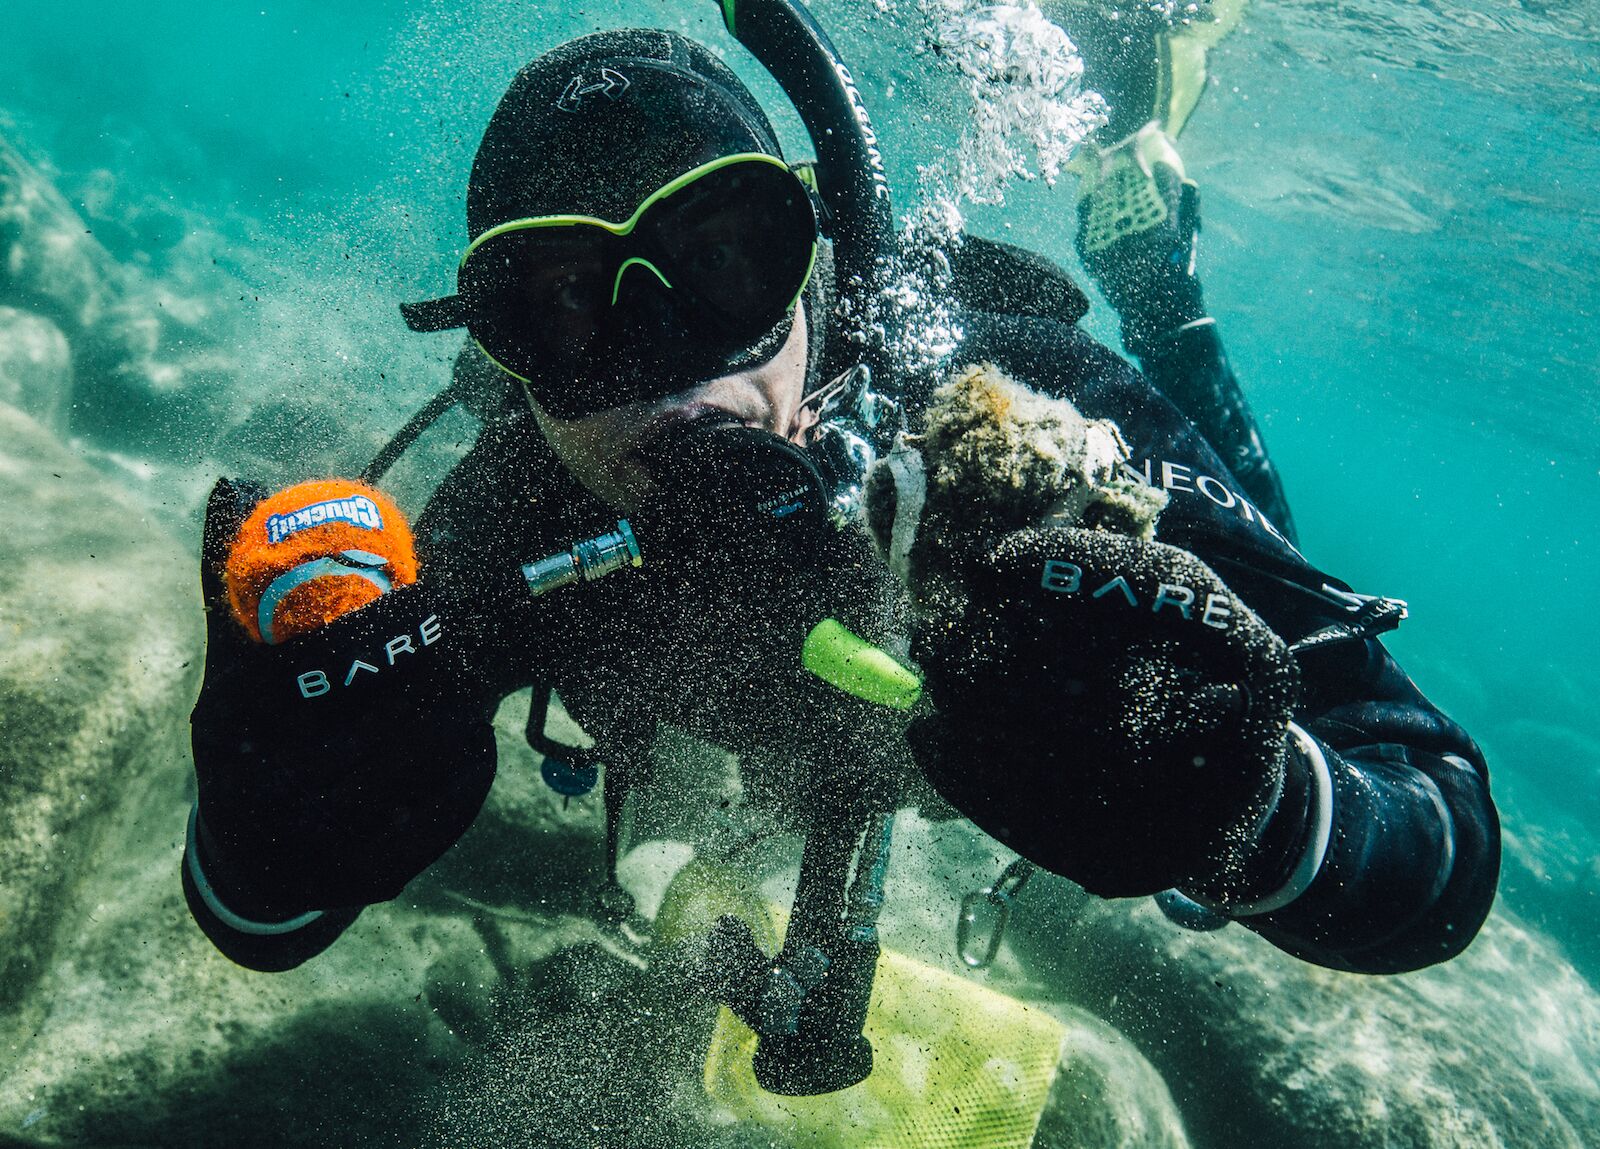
[{"x": 673, "y": 352}]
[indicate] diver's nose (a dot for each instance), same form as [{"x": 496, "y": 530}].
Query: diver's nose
[{"x": 645, "y": 306}]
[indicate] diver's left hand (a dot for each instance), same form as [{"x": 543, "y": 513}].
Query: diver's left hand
[{"x": 1105, "y": 706}]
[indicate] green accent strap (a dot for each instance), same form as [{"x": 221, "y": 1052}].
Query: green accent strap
[
  {"x": 851, "y": 663},
  {"x": 627, "y": 225},
  {"x": 616, "y": 288},
  {"x": 727, "y": 17}
]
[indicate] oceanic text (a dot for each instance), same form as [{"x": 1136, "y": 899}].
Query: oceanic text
[{"x": 880, "y": 181}]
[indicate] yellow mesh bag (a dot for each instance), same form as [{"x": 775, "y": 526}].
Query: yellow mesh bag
[{"x": 955, "y": 1064}]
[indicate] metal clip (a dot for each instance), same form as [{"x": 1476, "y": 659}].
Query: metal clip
[
  {"x": 1372, "y": 615},
  {"x": 985, "y": 914}
]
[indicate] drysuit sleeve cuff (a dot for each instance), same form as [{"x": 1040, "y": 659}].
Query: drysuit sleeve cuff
[
  {"x": 257, "y": 942},
  {"x": 1304, "y": 863},
  {"x": 1290, "y": 843}
]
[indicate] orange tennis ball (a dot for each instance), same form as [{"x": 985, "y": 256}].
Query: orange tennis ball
[{"x": 314, "y": 552}]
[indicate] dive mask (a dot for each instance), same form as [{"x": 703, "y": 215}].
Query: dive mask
[{"x": 702, "y": 279}]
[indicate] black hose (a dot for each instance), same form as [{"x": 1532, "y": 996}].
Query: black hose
[
  {"x": 851, "y": 179},
  {"x": 826, "y": 1051},
  {"x": 408, "y": 435}
]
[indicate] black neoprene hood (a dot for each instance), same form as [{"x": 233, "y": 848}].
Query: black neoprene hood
[{"x": 594, "y": 126}]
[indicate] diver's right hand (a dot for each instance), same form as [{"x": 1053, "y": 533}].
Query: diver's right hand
[{"x": 334, "y": 767}]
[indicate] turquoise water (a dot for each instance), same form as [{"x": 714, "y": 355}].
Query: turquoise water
[
  {"x": 1431, "y": 363},
  {"x": 1401, "y": 245}
]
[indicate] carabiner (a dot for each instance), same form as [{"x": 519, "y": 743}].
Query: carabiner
[{"x": 985, "y": 914}]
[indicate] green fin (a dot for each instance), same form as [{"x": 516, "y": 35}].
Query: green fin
[{"x": 1182, "y": 53}]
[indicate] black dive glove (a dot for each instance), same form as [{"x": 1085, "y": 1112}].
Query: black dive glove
[
  {"x": 1108, "y": 708},
  {"x": 332, "y": 768}
]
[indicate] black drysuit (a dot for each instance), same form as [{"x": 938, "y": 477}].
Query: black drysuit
[{"x": 335, "y": 768}]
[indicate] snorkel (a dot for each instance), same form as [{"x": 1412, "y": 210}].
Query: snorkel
[
  {"x": 856, "y": 422},
  {"x": 850, "y": 176}
]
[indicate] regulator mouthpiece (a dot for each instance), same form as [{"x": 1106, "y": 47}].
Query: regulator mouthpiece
[
  {"x": 734, "y": 492},
  {"x": 585, "y": 561}
]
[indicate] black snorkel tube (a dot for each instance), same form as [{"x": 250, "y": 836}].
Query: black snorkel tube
[{"x": 851, "y": 180}]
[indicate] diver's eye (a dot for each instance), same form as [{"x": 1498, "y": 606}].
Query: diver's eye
[
  {"x": 569, "y": 293},
  {"x": 714, "y": 257}
]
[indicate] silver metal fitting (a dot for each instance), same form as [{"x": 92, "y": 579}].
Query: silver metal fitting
[
  {"x": 585, "y": 561},
  {"x": 855, "y": 424}
]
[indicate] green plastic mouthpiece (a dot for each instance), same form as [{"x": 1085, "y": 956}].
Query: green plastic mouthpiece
[{"x": 846, "y": 660}]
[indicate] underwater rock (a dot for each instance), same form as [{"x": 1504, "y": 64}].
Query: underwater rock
[
  {"x": 120, "y": 1026},
  {"x": 994, "y": 457},
  {"x": 134, "y": 225},
  {"x": 1108, "y": 1095},
  {"x": 97, "y": 649},
  {"x": 137, "y": 353},
  {"x": 997, "y": 456},
  {"x": 1551, "y": 876},
  {"x": 1497, "y": 1047},
  {"x": 35, "y": 367},
  {"x": 50, "y": 264}
]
